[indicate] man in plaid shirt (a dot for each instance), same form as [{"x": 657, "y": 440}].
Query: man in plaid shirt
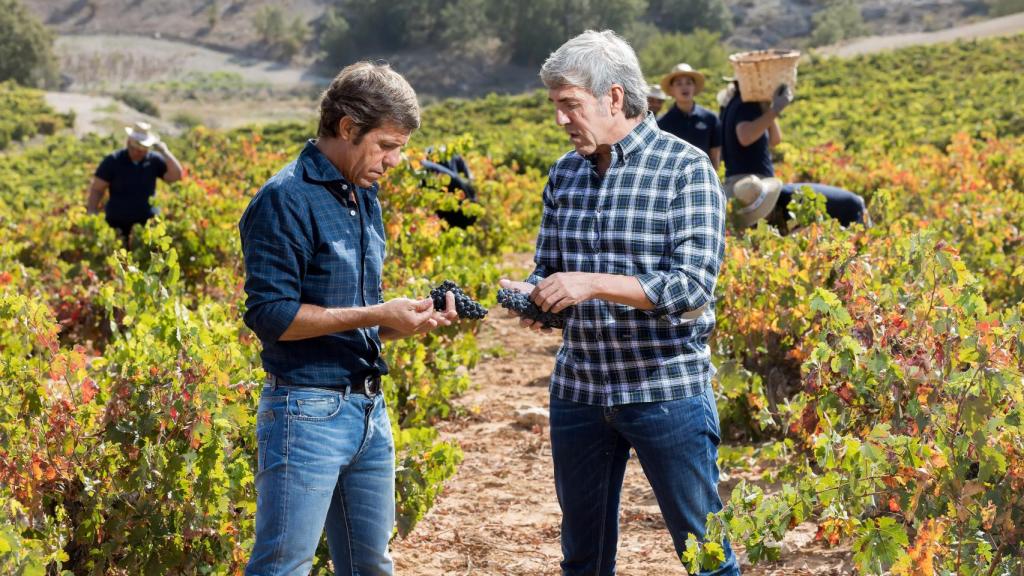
[{"x": 631, "y": 241}]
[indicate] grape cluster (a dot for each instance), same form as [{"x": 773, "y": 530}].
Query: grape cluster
[
  {"x": 464, "y": 305},
  {"x": 521, "y": 304}
]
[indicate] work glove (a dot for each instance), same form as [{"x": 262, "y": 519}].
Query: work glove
[{"x": 781, "y": 98}]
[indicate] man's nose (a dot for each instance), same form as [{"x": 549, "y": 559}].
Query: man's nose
[
  {"x": 392, "y": 159},
  {"x": 561, "y": 118}
]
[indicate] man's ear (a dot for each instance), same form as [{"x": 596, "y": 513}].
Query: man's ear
[
  {"x": 347, "y": 129},
  {"x": 618, "y": 98}
]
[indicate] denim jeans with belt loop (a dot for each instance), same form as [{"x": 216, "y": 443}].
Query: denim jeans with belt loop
[
  {"x": 677, "y": 444},
  {"x": 326, "y": 459}
]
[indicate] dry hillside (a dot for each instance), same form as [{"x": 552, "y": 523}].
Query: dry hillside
[{"x": 758, "y": 23}]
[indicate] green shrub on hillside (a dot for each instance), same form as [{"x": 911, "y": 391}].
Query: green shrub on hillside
[
  {"x": 139, "y": 103},
  {"x": 26, "y": 47},
  {"x": 335, "y": 39},
  {"x": 24, "y": 113},
  {"x": 690, "y": 15},
  {"x": 521, "y": 32},
  {"x": 839, "y": 20},
  {"x": 1004, "y": 7},
  {"x": 283, "y": 39},
  {"x": 701, "y": 49}
]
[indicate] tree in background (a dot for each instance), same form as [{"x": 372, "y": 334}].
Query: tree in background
[
  {"x": 282, "y": 39},
  {"x": 1004, "y": 7},
  {"x": 689, "y": 15},
  {"x": 26, "y": 47},
  {"x": 702, "y": 49},
  {"x": 839, "y": 20},
  {"x": 467, "y": 26},
  {"x": 335, "y": 38},
  {"x": 533, "y": 30},
  {"x": 212, "y": 15},
  {"x": 528, "y": 32}
]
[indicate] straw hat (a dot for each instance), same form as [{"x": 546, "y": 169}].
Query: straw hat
[
  {"x": 755, "y": 198},
  {"x": 140, "y": 133},
  {"x": 683, "y": 70},
  {"x": 655, "y": 91}
]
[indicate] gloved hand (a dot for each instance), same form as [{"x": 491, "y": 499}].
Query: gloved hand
[{"x": 781, "y": 98}]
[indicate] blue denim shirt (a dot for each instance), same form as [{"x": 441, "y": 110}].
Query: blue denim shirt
[{"x": 304, "y": 242}]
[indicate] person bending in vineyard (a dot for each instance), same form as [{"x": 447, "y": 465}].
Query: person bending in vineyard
[
  {"x": 130, "y": 174},
  {"x": 749, "y": 131},
  {"x": 313, "y": 242},
  {"x": 631, "y": 240},
  {"x": 687, "y": 119}
]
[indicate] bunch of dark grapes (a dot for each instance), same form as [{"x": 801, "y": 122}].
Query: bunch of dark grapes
[
  {"x": 464, "y": 305},
  {"x": 521, "y": 304}
]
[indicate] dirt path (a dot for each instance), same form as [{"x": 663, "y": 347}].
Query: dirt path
[
  {"x": 499, "y": 514},
  {"x": 1004, "y": 26},
  {"x": 110, "y": 61},
  {"x": 101, "y": 114}
]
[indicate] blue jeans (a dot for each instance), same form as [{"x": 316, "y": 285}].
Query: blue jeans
[
  {"x": 326, "y": 458},
  {"x": 677, "y": 443}
]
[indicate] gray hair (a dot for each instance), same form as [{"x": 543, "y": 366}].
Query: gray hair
[
  {"x": 595, "y": 61},
  {"x": 370, "y": 94}
]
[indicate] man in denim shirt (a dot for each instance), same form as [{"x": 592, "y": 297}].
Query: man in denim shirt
[
  {"x": 313, "y": 242},
  {"x": 631, "y": 241}
]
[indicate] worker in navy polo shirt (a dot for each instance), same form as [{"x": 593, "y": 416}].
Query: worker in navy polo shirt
[
  {"x": 687, "y": 119},
  {"x": 313, "y": 242},
  {"x": 130, "y": 174}
]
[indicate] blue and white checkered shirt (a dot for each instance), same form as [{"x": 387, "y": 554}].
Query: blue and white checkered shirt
[{"x": 658, "y": 215}]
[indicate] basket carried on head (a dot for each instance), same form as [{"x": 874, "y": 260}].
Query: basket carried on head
[{"x": 760, "y": 72}]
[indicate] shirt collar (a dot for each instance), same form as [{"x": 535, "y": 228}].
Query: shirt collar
[
  {"x": 692, "y": 112},
  {"x": 316, "y": 167},
  {"x": 641, "y": 136},
  {"x": 128, "y": 157}
]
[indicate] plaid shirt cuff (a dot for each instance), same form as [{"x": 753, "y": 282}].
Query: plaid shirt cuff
[{"x": 653, "y": 285}]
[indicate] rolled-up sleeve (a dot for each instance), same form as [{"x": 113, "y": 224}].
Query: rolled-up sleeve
[
  {"x": 696, "y": 226},
  {"x": 276, "y": 247},
  {"x": 547, "y": 259}
]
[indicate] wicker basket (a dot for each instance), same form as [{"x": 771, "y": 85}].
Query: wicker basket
[{"x": 759, "y": 73}]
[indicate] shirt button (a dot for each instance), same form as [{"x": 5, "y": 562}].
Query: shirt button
[
  {"x": 352, "y": 212},
  {"x": 344, "y": 186},
  {"x": 598, "y": 210}
]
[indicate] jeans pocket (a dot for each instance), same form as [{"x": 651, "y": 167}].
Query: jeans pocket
[
  {"x": 711, "y": 415},
  {"x": 314, "y": 407},
  {"x": 264, "y": 428},
  {"x": 384, "y": 422}
]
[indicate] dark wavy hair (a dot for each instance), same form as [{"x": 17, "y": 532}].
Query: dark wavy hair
[{"x": 371, "y": 94}]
